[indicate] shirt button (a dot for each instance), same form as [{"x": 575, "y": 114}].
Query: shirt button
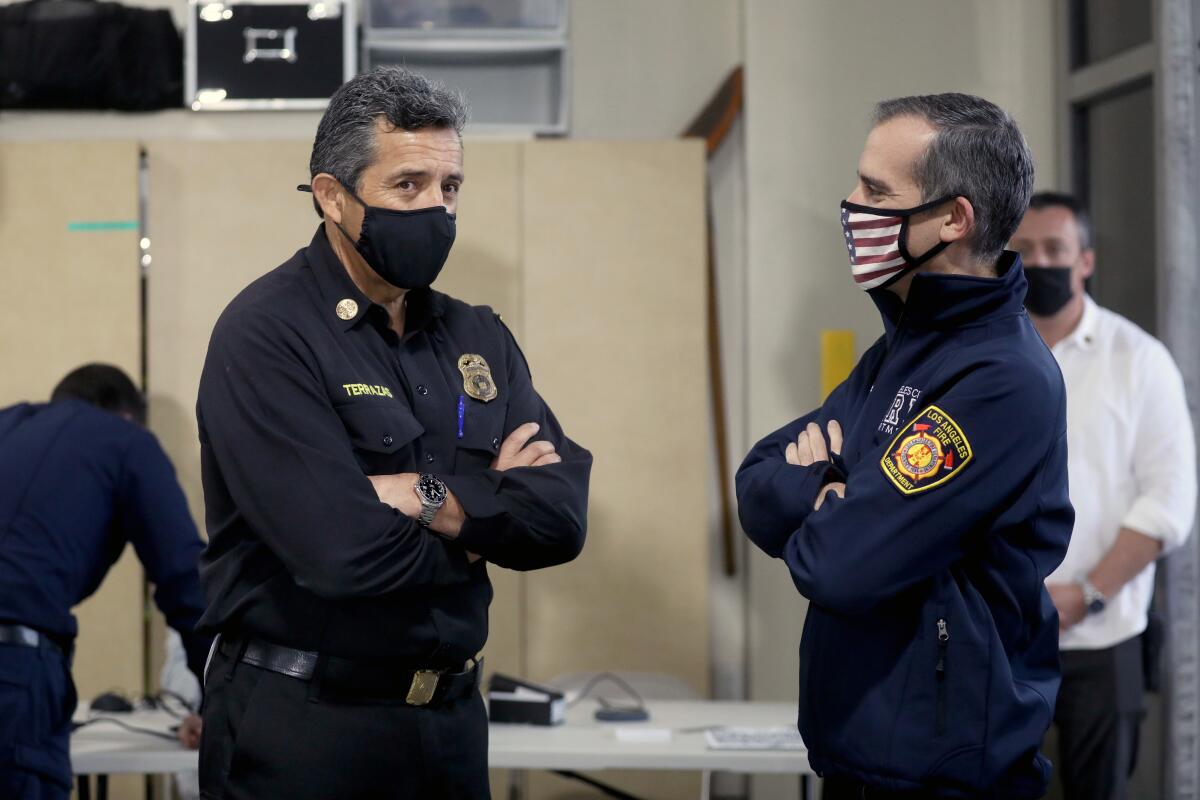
[
  {"x": 387, "y": 440},
  {"x": 421, "y": 390},
  {"x": 495, "y": 444},
  {"x": 429, "y": 458}
]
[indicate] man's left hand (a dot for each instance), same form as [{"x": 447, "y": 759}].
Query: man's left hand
[
  {"x": 1068, "y": 599},
  {"x": 809, "y": 447},
  {"x": 399, "y": 492},
  {"x": 189, "y": 731}
]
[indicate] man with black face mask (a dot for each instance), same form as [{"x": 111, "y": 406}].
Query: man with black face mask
[
  {"x": 368, "y": 445},
  {"x": 1133, "y": 484},
  {"x": 922, "y": 506}
]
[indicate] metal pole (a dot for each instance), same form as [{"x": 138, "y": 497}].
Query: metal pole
[{"x": 1179, "y": 325}]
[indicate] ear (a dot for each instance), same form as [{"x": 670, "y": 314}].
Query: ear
[
  {"x": 1087, "y": 263},
  {"x": 329, "y": 195},
  {"x": 961, "y": 221}
]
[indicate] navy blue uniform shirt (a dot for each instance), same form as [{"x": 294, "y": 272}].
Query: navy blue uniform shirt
[
  {"x": 299, "y": 404},
  {"x": 76, "y": 484},
  {"x": 930, "y": 650}
]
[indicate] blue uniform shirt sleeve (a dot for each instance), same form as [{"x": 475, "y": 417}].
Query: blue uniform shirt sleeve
[
  {"x": 527, "y": 517},
  {"x": 154, "y": 517},
  {"x": 876, "y": 542}
]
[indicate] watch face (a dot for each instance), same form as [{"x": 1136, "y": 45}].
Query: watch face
[
  {"x": 1096, "y": 606},
  {"x": 431, "y": 489}
]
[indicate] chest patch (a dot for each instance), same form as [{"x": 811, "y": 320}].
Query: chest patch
[
  {"x": 902, "y": 406},
  {"x": 927, "y": 453}
]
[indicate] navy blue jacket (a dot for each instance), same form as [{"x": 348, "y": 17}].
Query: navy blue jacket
[
  {"x": 929, "y": 658},
  {"x": 77, "y": 484}
]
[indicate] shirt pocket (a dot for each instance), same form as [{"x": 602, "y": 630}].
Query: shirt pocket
[
  {"x": 482, "y": 435},
  {"x": 379, "y": 432}
]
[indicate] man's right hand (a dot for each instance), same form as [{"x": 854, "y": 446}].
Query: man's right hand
[
  {"x": 518, "y": 451},
  {"x": 189, "y": 731}
]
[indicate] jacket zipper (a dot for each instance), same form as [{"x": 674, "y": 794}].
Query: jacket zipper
[{"x": 943, "y": 635}]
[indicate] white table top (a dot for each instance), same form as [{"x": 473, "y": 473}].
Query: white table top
[{"x": 580, "y": 744}]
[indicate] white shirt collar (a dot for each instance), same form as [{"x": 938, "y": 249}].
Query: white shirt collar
[{"x": 1084, "y": 335}]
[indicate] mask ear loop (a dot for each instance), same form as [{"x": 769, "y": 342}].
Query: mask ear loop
[
  {"x": 307, "y": 187},
  {"x": 902, "y": 242}
]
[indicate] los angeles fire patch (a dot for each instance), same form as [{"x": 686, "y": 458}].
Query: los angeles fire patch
[{"x": 931, "y": 450}]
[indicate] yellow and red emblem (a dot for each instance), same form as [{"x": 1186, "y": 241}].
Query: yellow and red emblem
[{"x": 930, "y": 450}]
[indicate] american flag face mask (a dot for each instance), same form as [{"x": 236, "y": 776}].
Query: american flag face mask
[{"x": 877, "y": 241}]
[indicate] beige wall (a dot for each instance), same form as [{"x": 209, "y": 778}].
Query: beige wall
[
  {"x": 814, "y": 70},
  {"x": 644, "y": 68}
]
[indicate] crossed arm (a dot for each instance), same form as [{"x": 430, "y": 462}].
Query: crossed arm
[{"x": 399, "y": 490}]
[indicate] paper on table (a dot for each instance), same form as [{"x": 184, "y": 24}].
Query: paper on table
[
  {"x": 740, "y": 738},
  {"x": 643, "y": 735}
]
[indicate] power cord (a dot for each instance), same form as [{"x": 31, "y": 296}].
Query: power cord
[
  {"x": 170, "y": 737},
  {"x": 609, "y": 677}
]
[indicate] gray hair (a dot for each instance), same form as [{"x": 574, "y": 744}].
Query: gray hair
[
  {"x": 345, "y": 143},
  {"x": 978, "y": 153}
]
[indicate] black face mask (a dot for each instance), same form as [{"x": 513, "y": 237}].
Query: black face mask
[
  {"x": 405, "y": 248},
  {"x": 1049, "y": 289}
]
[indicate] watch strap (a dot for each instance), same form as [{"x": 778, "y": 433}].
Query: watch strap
[
  {"x": 429, "y": 508},
  {"x": 1093, "y": 598}
]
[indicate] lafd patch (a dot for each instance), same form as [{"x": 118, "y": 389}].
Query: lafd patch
[{"x": 930, "y": 450}]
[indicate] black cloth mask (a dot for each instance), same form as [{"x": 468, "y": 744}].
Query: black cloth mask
[
  {"x": 406, "y": 248},
  {"x": 1049, "y": 290}
]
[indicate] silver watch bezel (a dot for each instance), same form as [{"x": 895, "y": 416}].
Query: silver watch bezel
[{"x": 429, "y": 507}]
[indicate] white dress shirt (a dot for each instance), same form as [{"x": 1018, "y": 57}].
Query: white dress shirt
[{"x": 1131, "y": 461}]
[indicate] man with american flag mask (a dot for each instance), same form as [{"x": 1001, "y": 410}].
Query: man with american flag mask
[{"x": 921, "y": 507}]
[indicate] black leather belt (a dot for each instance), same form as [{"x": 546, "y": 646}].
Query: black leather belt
[
  {"x": 358, "y": 679},
  {"x": 28, "y": 637}
]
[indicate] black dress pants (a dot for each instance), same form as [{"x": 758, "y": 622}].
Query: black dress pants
[
  {"x": 37, "y": 698},
  {"x": 835, "y": 788},
  {"x": 267, "y": 736},
  {"x": 1099, "y": 711}
]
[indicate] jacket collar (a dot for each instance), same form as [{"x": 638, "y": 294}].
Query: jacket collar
[
  {"x": 938, "y": 301},
  {"x": 342, "y": 298}
]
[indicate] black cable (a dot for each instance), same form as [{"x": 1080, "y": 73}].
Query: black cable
[
  {"x": 170, "y": 737},
  {"x": 601, "y": 677},
  {"x": 183, "y": 701},
  {"x": 159, "y": 701},
  {"x": 604, "y": 788}
]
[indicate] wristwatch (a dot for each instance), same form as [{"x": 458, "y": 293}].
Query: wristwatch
[
  {"x": 1093, "y": 598},
  {"x": 432, "y": 494}
]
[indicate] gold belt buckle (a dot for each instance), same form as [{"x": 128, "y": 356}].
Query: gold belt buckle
[{"x": 424, "y": 684}]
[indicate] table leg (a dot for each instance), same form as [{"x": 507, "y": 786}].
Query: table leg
[
  {"x": 101, "y": 787},
  {"x": 85, "y": 787},
  {"x": 705, "y": 785}
]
